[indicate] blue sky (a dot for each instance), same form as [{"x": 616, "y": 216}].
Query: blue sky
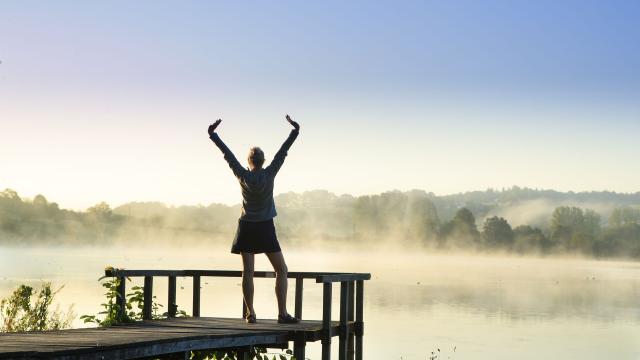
[{"x": 110, "y": 101}]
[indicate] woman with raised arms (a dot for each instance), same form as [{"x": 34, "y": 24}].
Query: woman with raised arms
[{"x": 256, "y": 233}]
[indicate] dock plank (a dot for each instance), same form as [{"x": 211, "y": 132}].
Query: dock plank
[{"x": 153, "y": 338}]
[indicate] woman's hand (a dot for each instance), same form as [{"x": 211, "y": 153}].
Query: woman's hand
[
  {"x": 293, "y": 123},
  {"x": 212, "y": 127}
]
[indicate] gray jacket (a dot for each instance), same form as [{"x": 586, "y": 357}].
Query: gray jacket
[{"x": 257, "y": 186}]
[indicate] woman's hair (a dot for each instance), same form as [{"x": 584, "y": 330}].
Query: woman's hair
[{"x": 256, "y": 157}]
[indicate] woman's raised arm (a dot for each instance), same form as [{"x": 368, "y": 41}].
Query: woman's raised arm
[
  {"x": 278, "y": 159},
  {"x": 235, "y": 166}
]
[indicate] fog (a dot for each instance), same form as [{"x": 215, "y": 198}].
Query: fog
[
  {"x": 538, "y": 212},
  {"x": 482, "y": 275},
  {"x": 486, "y": 306},
  {"x": 519, "y": 221}
]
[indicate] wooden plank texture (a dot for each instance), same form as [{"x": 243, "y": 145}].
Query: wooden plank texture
[{"x": 155, "y": 337}]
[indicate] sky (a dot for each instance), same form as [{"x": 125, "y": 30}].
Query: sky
[{"x": 110, "y": 101}]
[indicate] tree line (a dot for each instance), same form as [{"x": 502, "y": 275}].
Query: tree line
[{"x": 396, "y": 218}]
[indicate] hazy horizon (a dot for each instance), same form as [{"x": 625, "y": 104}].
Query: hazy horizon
[{"x": 238, "y": 201}]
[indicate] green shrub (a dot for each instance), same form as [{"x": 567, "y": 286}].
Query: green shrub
[{"x": 26, "y": 311}]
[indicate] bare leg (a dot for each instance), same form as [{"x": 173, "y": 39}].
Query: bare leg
[
  {"x": 248, "y": 262},
  {"x": 280, "y": 267}
]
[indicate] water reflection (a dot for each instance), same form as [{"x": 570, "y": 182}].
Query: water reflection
[{"x": 484, "y": 306}]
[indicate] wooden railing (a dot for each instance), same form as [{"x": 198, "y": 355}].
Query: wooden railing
[{"x": 351, "y": 328}]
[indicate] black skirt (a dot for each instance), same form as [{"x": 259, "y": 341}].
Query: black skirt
[{"x": 255, "y": 237}]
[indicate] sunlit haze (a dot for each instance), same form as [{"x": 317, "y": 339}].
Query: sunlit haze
[{"x": 110, "y": 101}]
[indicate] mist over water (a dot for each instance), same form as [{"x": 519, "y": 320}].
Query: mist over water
[
  {"x": 484, "y": 306},
  {"x": 515, "y": 220},
  {"x": 458, "y": 273}
]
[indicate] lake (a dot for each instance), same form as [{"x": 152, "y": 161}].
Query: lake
[{"x": 467, "y": 306}]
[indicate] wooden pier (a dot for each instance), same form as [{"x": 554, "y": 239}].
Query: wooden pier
[{"x": 176, "y": 337}]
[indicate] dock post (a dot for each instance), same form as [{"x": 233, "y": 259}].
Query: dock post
[
  {"x": 298, "y": 307},
  {"x": 326, "y": 321},
  {"x": 196, "y": 296},
  {"x": 244, "y": 353},
  {"x": 147, "y": 307},
  {"x": 122, "y": 298},
  {"x": 350, "y": 317},
  {"x": 359, "y": 317},
  {"x": 299, "y": 345},
  {"x": 171, "y": 297},
  {"x": 344, "y": 328}
]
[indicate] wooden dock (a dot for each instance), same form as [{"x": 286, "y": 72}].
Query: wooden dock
[
  {"x": 175, "y": 338},
  {"x": 157, "y": 338}
]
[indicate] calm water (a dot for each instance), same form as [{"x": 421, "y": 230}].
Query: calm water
[{"x": 469, "y": 307}]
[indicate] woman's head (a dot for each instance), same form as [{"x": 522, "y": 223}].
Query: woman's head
[{"x": 256, "y": 158}]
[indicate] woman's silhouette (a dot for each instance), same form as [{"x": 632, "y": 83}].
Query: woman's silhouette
[{"x": 256, "y": 233}]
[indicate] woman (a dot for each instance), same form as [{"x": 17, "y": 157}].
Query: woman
[{"x": 256, "y": 233}]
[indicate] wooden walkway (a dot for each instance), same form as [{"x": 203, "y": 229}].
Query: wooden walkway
[
  {"x": 176, "y": 337},
  {"x": 157, "y": 338}
]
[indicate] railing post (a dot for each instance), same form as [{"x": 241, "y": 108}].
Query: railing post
[
  {"x": 196, "y": 296},
  {"x": 326, "y": 321},
  {"x": 359, "y": 318},
  {"x": 299, "y": 344},
  {"x": 298, "y": 307},
  {"x": 147, "y": 307},
  {"x": 122, "y": 297},
  {"x": 344, "y": 328},
  {"x": 171, "y": 296},
  {"x": 350, "y": 318}
]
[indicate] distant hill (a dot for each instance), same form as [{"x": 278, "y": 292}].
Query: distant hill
[
  {"x": 518, "y": 205},
  {"x": 515, "y": 218},
  {"x": 532, "y": 206}
]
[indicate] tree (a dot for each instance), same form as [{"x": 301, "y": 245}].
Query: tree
[
  {"x": 465, "y": 216},
  {"x": 421, "y": 220},
  {"x": 365, "y": 218},
  {"x": 10, "y": 195},
  {"x": 40, "y": 201},
  {"x": 624, "y": 216},
  {"x": 497, "y": 233},
  {"x": 574, "y": 228},
  {"x": 528, "y": 239},
  {"x": 461, "y": 231},
  {"x": 619, "y": 241},
  {"x": 101, "y": 210},
  {"x": 591, "y": 223}
]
